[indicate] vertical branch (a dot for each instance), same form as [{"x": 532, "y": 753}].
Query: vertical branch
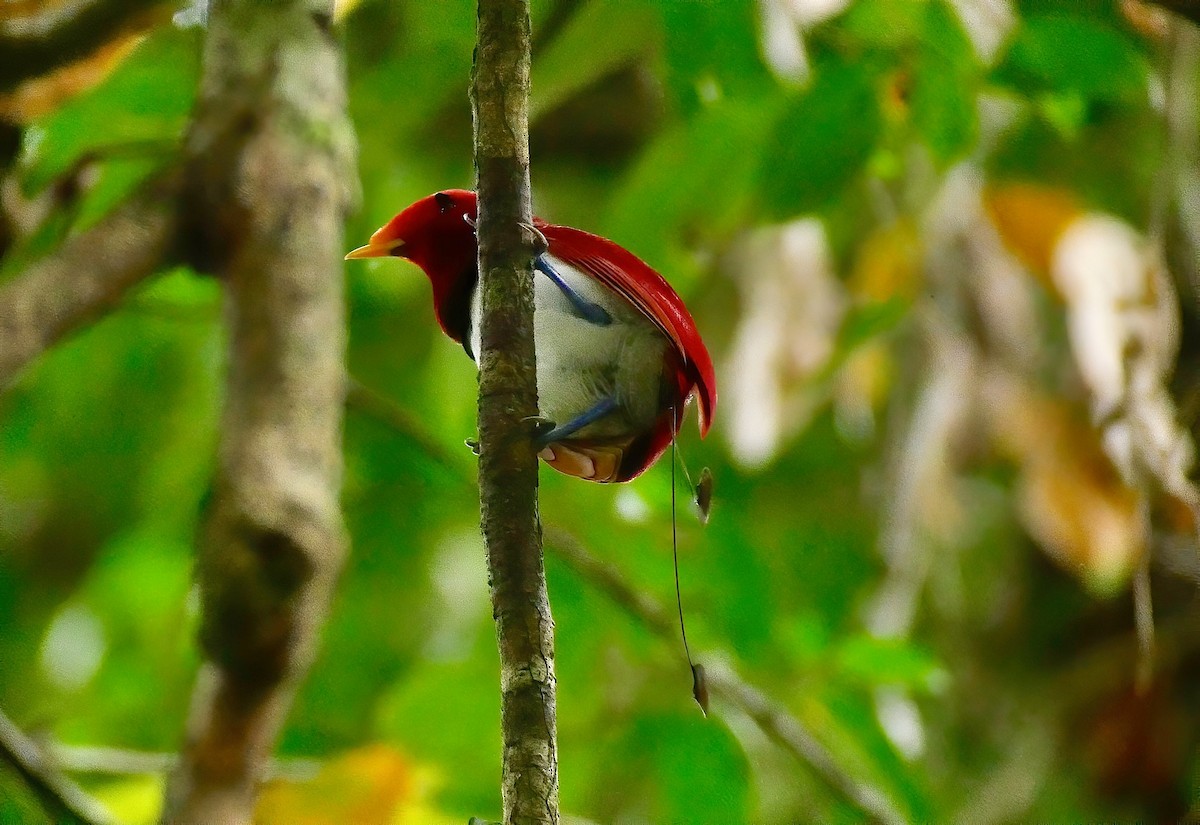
[
  {"x": 270, "y": 154},
  {"x": 507, "y": 394}
]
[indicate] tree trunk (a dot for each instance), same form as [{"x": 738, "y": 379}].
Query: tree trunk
[{"x": 270, "y": 161}]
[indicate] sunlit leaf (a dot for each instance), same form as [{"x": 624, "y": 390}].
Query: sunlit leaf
[
  {"x": 365, "y": 786},
  {"x": 1072, "y": 499},
  {"x": 877, "y": 661},
  {"x": 134, "y": 800}
]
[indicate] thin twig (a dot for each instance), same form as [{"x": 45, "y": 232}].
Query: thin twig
[
  {"x": 100, "y": 759},
  {"x": 64, "y": 800},
  {"x": 1143, "y": 610},
  {"x": 920, "y": 460},
  {"x": 770, "y": 716},
  {"x": 786, "y": 730},
  {"x": 376, "y": 405}
]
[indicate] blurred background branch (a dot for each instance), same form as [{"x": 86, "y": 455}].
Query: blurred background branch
[
  {"x": 88, "y": 275},
  {"x": 774, "y": 720},
  {"x": 1184, "y": 8},
  {"x": 54, "y": 35},
  {"x": 271, "y": 162},
  {"x": 109, "y": 761},
  {"x": 64, "y": 800},
  {"x": 374, "y": 404}
]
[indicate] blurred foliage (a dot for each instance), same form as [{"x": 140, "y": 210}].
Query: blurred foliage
[{"x": 679, "y": 129}]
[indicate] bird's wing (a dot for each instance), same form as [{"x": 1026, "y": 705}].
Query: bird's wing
[{"x": 629, "y": 276}]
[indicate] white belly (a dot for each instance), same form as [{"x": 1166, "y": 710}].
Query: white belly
[{"x": 580, "y": 363}]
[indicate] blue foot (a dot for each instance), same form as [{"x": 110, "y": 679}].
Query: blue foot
[{"x": 562, "y": 431}]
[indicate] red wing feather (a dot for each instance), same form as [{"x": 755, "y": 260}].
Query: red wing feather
[{"x": 628, "y": 275}]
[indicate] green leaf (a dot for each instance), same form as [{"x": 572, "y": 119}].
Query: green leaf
[
  {"x": 577, "y": 57},
  {"x": 822, "y": 141},
  {"x": 140, "y": 110},
  {"x": 1064, "y": 54},
  {"x": 698, "y": 173},
  {"x": 944, "y": 85},
  {"x": 870, "y": 320},
  {"x": 877, "y": 661},
  {"x": 886, "y": 23},
  {"x": 685, "y": 769},
  {"x": 1065, "y": 112},
  {"x": 712, "y": 51}
]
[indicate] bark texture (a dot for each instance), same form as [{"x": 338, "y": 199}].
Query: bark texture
[
  {"x": 507, "y": 394},
  {"x": 88, "y": 276},
  {"x": 270, "y": 157}
]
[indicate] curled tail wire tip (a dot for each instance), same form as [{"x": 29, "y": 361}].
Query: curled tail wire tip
[
  {"x": 703, "y": 495},
  {"x": 700, "y": 688}
]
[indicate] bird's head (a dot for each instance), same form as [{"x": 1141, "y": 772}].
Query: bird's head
[{"x": 437, "y": 233}]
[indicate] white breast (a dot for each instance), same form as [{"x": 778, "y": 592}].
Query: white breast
[{"x": 579, "y": 363}]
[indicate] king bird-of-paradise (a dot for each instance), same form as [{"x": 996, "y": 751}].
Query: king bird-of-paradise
[{"x": 618, "y": 354}]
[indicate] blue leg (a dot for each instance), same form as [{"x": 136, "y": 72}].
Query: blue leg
[
  {"x": 561, "y": 431},
  {"x": 585, "y": 309}
]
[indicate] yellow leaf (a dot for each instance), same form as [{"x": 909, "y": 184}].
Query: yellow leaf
[
  {"x": 134, "y": 800},
  {"x": 17, "y": 9},
  {"x": 417, "y": 810},
  {"x": 1072, "y": 499},
  {"x": 38, "y": 97},
  {"x": 1031, "y": 219},
  {"x": 865, "y": 380},
  {"x": 341, "y": 8},
  {"x": 365, "y": 786},
  {"x": 888, "y": 264}
]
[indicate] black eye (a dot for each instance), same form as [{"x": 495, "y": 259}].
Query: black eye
[{"x": 444, "y": 201}]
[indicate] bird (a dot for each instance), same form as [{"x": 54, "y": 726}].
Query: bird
[{"x": 618, "y": 354}]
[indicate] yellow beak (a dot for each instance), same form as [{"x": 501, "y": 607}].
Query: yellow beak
[{"x": 381, "y": 249}]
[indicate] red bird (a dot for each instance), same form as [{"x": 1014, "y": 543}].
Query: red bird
[{"x": 618, "y": 354}]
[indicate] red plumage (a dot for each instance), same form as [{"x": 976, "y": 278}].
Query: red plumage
[
  {"x": 632, "y": 278},
  {"x": 437, "y": 233}
]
